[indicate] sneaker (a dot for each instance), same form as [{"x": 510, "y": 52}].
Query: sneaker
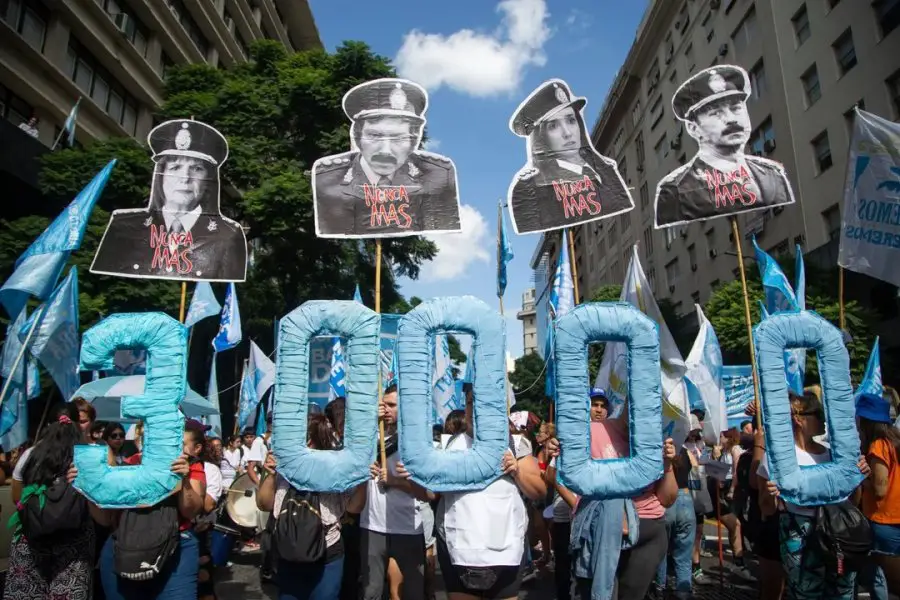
[{"x": 701, "y": 578}]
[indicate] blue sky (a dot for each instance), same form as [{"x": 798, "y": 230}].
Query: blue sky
[{"x": 478, "y": 60}]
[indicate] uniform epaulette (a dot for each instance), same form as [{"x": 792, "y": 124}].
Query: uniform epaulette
[
  {"x": 433, "y": 158},
  {"x": 331, "y": 162},
  {"x": 526, "y": 174}
]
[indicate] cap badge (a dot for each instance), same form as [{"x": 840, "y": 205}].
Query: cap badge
[
  {"x": 398, "y": 98},
  {"x": 561, "y": 96},
  {"x": 183, "y": 138},
  {"x": 717, "y": 83}
]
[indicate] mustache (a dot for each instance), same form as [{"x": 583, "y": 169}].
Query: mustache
[
  {"x": 733, "y": 129},
  {"x": 384, "y": 158}
]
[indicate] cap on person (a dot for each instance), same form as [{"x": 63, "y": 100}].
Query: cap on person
[
  {"x": 386, "y": 97},
  {"x": 874, "y": 408},
  {"x": 248, "y": 431},
  {"x": 695, "y": 423},
  {"x": 708, "y": 86},
  {"x": 195, "y": 425},
  {"x": 193, "y": 139},
  {"x": 544, "y": 102},
  {"x": 598, "y": 392}
]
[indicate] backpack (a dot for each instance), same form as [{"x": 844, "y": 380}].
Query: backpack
[
  {"x": 145, "y": 540},
  {"x": 844, "y": 535},
  {"x": 47, "y": 514},
  {"x": 298, "y": 535}
]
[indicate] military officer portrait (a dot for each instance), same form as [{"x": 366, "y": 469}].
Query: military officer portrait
[
  {"x": 384, "y": 186},
  {"x": 182, "y": 233},
  {"x": 565, "y": 180},
  {"x": 721, "y": 179}
]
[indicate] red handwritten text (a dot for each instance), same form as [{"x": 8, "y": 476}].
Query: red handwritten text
[
  {"x": 728, "y": 188},
  {"x": 389, "y": 206},
  {"x": 171, "y": 250},
  {"x": 577, "y": 197}
]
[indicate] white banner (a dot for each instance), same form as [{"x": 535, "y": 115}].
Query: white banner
[{"x": 870, "y": 228}]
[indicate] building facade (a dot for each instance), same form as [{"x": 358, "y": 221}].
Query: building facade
[
  {"x": 528, "y": 317},
  {"x": 810, "y": 63}
]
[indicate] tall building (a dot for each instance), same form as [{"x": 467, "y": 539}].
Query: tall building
[
  {"x": 529, "y": 326},
  {"x": 114, "y": 54},
  {"x": 810, "y": 63}
]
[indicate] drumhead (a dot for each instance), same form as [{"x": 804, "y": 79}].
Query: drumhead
[{"x": 241, "y": 502}]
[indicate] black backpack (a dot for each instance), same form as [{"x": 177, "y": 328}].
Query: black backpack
[
  {"x": 844, "y": 535},
  {"x": 52, "y": 513},
  {"x": 145, "y": 540},
  {"x": 299, "y": 536}
]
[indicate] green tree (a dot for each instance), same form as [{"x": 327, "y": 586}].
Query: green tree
[{"x": 528, "y": 380}]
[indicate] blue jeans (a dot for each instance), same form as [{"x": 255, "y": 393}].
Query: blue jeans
[
  {"x": 313, "y": 581},
  {"x": 681, "y": 526},
  {"x": 177, "y": 581}
]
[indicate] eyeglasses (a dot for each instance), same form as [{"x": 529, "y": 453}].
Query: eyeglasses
[{"x": 116, "y": 436}]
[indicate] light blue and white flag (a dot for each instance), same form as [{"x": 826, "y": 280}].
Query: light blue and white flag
[
  {"x": 212, "y": 395},
  {"x": 704, "y": 372},
  {"x": 39, "y": 267},
  {"x": 69, "y": 126},
  {"x": 737, "y": 380},
  {"x": 337, "y": 382},
  {"x": 262, "y": 370},
  {"x": 444, "y": 385},
  {"x": 562, "y": 295},
  {"x": 13, "y": 409},
  {"x": 549, "y": 364},
  {"x": 261, "y": 424},
  {"x": 469, "y": 375},
  {"x": 792, "y": 370},
  {"x": 357, "y": 297},
  {"x": 779, "y": 293},
  {"x": 55, "y": 341},
  {"x": 248, "y": 399},
  {"x": 203, "y": 304},
  {"x": 504, "y": 251},
  {"x": 871, "y": 382},
  {"x": 229, "y": 334}
]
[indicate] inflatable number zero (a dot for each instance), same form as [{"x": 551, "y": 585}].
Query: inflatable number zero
[
  {"x": 434, "y": 469},
  {"x": 608, "y": 322},
  {"x": 165, "y": 341},
  {"x": 326, "y": 470},
  {"x": 819, "y": 484}
]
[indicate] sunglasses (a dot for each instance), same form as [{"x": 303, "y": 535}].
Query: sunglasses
[{"x": 116, "y": 436}]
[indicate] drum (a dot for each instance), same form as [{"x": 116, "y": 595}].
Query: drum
[{"x": 241, "y": 504}]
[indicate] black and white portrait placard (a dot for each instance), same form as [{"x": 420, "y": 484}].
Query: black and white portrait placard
[
  {"x": 385, "y": 186},
  {"x": 182, "y": 233},
  {"x": 565, "y": 181},
  {"x": 722, "y": 179}
]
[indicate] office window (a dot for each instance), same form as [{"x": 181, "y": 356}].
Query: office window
[
  {"x": 619, "y": 141},
  {"x": 689, "y": 56},
  {"x": 684, "y": 18},
  {"x": 822, "y": 151},
  {"x": 651, "y": 277},
  {"x": 832, "y": 219},
  {"x": 671, "y": 233},
  {"x": 656, "y": 112},
  {"x": 710, "y": 236},
  {"x": 893, "y": 85},
  {"x": 12, "y": 108},
  {"x": 623, "y": 169},
  {"x": 850, "y": 115},
  {"x": 673, "y": 272},
  {"x": 811, "y": 86},
  {"x": 245, "y": 49},
  {"x": 661, "y": 150},
  {"x": 612, "y": 236},
  {"x": 100, "y": 86},
  {"x": 639, "y": 149},
  {"x": 648, "y": 241},
  {"x": 779, "y": 249},
  {"x": 845, "y": 52},
  {"x": 128, "y": 23},
  {"x": 636, "y": 113},
  {"x": 759, "y": 85},
  {"x": 800, "y": 20},
  {"x": 746, "y": 31},
  {"x": 653, "y": 77},
  {"x": 762, "y": 140},
  {"x": 888, "y": 14},
  {"x": 190, "y": 25},
  {"x": 692, "y": 256},
  {"x": 625, "y": 220},
  {"x": 645, "y": 195},
  {"x": 165, "y": 64},
  {"x": 708, "y": 28},
  {"x": 28, "y": 18},
  {"x": 673, "y": 76}
]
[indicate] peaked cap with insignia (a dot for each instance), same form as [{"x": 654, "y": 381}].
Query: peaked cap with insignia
[
  {"x": 389, "y": 96},
  {"x": 709, "y": 85},
  {"x": 548, "y": 99},
  {"x": 184, "y": 137}
]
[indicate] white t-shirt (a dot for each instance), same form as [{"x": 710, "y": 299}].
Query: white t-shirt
[
  {"x": 20, "y": 466},
  {"x": 256, "y": 452},
  {"x": 214, "y": 483},
  {"x": 389, "y": 509},
  {"x": 804, "y": 459},
  {"x": 231, "y": 462}
]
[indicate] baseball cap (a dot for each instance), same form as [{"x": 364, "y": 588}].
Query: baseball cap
[
  {"x": 598, "y": 392},
  {"x": 874, "y": 408},
  {"x": 195, "y": 425}
]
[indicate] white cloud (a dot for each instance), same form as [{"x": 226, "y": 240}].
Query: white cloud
[
  {"x": 458, "y": 251},
  {"x": 478, "y": 63},
  {"x": 578, "y": 20},
  {"x": 431, "y": 145}
]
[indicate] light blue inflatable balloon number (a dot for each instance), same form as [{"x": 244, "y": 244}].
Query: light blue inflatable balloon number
[
  {"x": 438, "y": 470},
  {"x": 621, "y": 477},
  {"x": 165, "y": 341},
  {"x": 819, "y": 484},
  {"x": 326, "y": 470}
]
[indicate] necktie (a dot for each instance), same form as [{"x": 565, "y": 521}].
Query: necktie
[
  {"x": 383, "y": 181},
  {"x": 177, "y": 227}
]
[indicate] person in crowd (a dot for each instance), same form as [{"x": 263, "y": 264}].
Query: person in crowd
[
  {"x": 604, "y": 562},
  {"x": 87, "y": 415},
  {"x": 729, "y": 453},
  {"x": 114, "y": 436},
  {"x": 599, "y": 405},
  {"x": 322, "y": 579},
  {"x": 681, "y": 527},
  {"x": 746, "y": 428},
  {"x": 253, "y": 451},
  {"x": 96, "y": 432},
  {"x": 62, "y": 570},
  {"x": 426, "y": 515},
  {"x": 541, "y": 515},
  {"x": 564, "y": 502},
  {"x": 881, "y": 492},
  {"x": 178, "y": 577},
  {"x": 30, "y": 126},
  {"x": 699, "y": 484},
  {"x": 802, "y": 559},
  {"x": 484, "y": 556},
  {"x": 391, "y": 525},
  {"x": 230, "y": 466},
  {"x": 455, "y": 423},
  {"x": 212, "y": 458},
  {"x": 335, "y": 412}
]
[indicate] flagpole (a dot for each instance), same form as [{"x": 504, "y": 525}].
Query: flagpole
[
  {"x": 740, "y": 256},
  {"x": 183, "y": 301},
  {"x": 6, "y": 384},
  {"x": 572, "y": 262},
  {"x": 841, "y": 318},
  {"x": 56, "y": 142},
  {"x": 384, "y": 465}
]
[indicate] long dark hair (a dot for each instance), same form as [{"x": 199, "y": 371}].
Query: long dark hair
[
  {"x": 319, "y": 434},
  {"x": 53, "y": 452},
  {"x": 540, "y": 152},
  {"x": 336, "y": 412},
  {"x": 455, "y": 422},
  {"x": 872, "y": 431}
]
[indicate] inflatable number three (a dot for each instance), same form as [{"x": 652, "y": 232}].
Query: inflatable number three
[
  {"x": 165, "y": 341},
  {"x": 433, "y": 469},
  {"x": 824, "y": 483},
  {"x": 621, "y": 477},
  {"x": 326, "y": 470}
]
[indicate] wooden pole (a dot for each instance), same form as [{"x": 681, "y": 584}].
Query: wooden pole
[
  {"x": 841, "y": 318},
  {"x": 36, "y": 319},
  {"x": 384, "y": 465},
  {"x": 183, "y": 301},
  {"x": 740, "y": 256},
  {"x": 572, "y": 262}
]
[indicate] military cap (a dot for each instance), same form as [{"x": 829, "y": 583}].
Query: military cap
[
  {"x": 397, "y": 97},
  {"x": 185, "y": 137},
  {"x": 709, "y": 85},
  {"x": 544, "y": 102}
]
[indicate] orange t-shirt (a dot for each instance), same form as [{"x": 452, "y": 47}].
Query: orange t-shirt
[{"x": 886, "y": 510}]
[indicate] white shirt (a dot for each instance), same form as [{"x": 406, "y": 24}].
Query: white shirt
[
  {"x": 256, "y": 452},
  {"x": 187, "y": 219},
  {"x": 231, "y": 462},
  {"x": 32, "y": 131},
  {"x": 389, "y": 509},
  {"x": 20, "y": 466},
  {"x": 214, "y": 485},
  {"x": 804, "y": 459}
]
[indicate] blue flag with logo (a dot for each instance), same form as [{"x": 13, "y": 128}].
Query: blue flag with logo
[
  {"x": 55, "y": 341},
  {"x": 69, "y": 126},
  {"x": 39, "y": 267},
  {"x": 337, "y": 381},
  {"x": 562, "y": 300},
  {"x": 229, "y": 334},
  {"x": 871, "y": 382},
  {"x": 248, "y": 400},
  {"x": 203, "y": 304},
  {"x": 504, "y": 252}
]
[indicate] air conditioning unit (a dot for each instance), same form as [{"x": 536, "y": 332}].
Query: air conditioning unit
[
  {"x": 713, "y": 253},
  {"x": 671, "y": 289},
  {"x": 693, "y": 266},
  {"x": 715, "y": 3},
  {"x": 640, "y": 168},
  {"x": 769, "y": 146},
  {"x": 121, "y": 21}
]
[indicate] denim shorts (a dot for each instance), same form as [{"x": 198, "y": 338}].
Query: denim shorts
[{"x": 887, "y": 539}]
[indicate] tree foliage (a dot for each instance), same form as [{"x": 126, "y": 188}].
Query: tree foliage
[{"x": 528, "y": 380}]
